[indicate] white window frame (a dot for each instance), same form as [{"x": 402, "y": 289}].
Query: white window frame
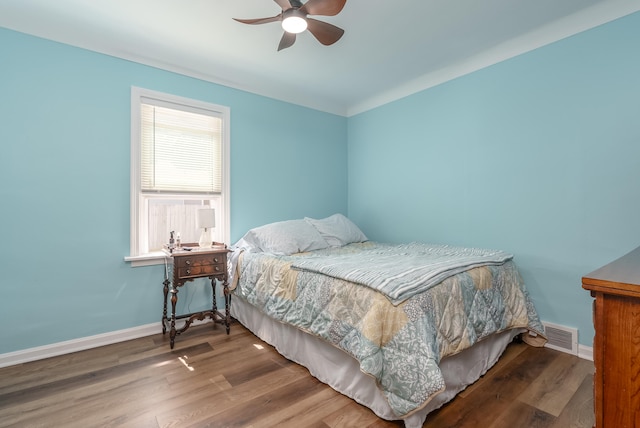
[{"x": 139, "y": 227}]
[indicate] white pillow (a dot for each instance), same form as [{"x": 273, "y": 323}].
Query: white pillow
[
  {"x": 284, "y": 238},
  {"x": 337, "y": 230}
]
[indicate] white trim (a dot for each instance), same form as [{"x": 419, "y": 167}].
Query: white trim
[
  {"x": 146, "y": 259},
  {"x": 134, "y": 185},
  {"x": 585, "y": 352},
  {"x": 137, "y": 254},
  {"x": 84, "y": 343},
  {"x": 75, "y": 345}
]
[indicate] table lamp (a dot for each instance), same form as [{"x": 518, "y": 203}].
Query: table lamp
[{"x": 206, "y": 220}]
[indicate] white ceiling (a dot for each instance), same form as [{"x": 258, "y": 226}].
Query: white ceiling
[{"x": 390, "y": 48}]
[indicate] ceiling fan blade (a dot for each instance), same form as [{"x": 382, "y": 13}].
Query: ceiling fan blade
[
  {"x": 284, "y": 4},
  {"x": 259, "y": 20},
  {"x": 326, "y": 33},
  {"x": 287, "y": 40},
  {"x": 323, "y": 7}
]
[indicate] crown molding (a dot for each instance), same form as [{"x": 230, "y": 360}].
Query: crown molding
[{"x": 587, "y": 19}]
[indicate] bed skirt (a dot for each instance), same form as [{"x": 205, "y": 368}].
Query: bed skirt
[{"x": 335, "y": 368}]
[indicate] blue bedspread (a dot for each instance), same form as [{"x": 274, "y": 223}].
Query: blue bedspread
[{"x": 400, "y": 271}]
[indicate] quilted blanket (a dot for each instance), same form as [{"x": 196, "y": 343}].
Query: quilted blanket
[
  {"x": 399, "y": 345},
  {"x": 401, "y": 271}
]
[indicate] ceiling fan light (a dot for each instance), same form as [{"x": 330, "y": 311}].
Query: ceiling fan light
[{"x": 294, "y": 24}]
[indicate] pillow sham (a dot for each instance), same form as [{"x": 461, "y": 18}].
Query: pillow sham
[
  {"x": 284, "y": 238},
  {"x": 337, "y": 230}
]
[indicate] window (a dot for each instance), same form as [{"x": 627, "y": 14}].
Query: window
[{"x": 179, "y": 163}]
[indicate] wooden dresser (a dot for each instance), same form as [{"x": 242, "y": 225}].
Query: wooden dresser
[{"x": 616, "y": 347}]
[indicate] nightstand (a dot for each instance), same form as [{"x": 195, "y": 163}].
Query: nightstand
[{"x": 186, "y": 264}]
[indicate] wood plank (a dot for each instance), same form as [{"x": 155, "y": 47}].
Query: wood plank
[
  {"x": 352, "y": 414},
  {"x": 520, "y": 414},
  {"x": 60, "y": 386},
  {"x": 262, "y": 406},
  {"x": 483, "y": 405},
  {"x": 307, "y": 411},
  {"x": 512, "y": 352},
  {"x": 553, "y": 389},
  {"x": 579, "y": 411},
  {"x": 192, "y": 410}
]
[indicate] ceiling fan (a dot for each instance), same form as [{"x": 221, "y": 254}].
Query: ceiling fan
[{"x": 295, "y": 20}]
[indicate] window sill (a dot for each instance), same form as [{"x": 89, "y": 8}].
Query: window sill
[{"x": 150, "y": 259}]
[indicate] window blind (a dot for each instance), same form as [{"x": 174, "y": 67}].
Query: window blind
[{"x": 181, "y": 149}]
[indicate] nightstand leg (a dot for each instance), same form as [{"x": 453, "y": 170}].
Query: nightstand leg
[
  {"x": 165, "y": 290},
  {"x": 174, "y": 300},
  {"x": 227, "y": 304},
  {"x": 214, "y": 304}
]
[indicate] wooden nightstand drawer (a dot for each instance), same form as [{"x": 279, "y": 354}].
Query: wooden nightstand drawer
[
  {"x": 199, "y": 260},
  {"x": 200, "y": 270}
]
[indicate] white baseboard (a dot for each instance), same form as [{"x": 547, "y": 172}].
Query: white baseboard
[
  {"x": 69, "y": 346},
  {"x": 585, "y": 352},
  {"x": 75, "y": 345}
]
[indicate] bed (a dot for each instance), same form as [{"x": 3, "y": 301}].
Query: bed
[{"x": 399, "y": 328}]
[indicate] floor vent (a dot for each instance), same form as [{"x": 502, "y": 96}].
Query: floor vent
[{"x": 561, "y": 338}]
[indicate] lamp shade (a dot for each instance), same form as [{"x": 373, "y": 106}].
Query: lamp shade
[{"x": 206, "y": 218}]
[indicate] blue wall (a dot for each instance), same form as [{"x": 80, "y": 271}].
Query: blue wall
[
  {"x": 538, "y": 155},
  {"x": 64, "y": 185}
]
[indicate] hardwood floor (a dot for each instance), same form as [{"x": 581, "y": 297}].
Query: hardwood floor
[{"x": 211, "y": 379}]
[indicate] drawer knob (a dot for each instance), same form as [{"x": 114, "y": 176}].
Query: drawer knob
[
  {"x": 217, "y": 268},
  {"x": 188, "y": 271},
  {"x": 187, "y": 262},
  {"x": 215, "y": 260}
]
